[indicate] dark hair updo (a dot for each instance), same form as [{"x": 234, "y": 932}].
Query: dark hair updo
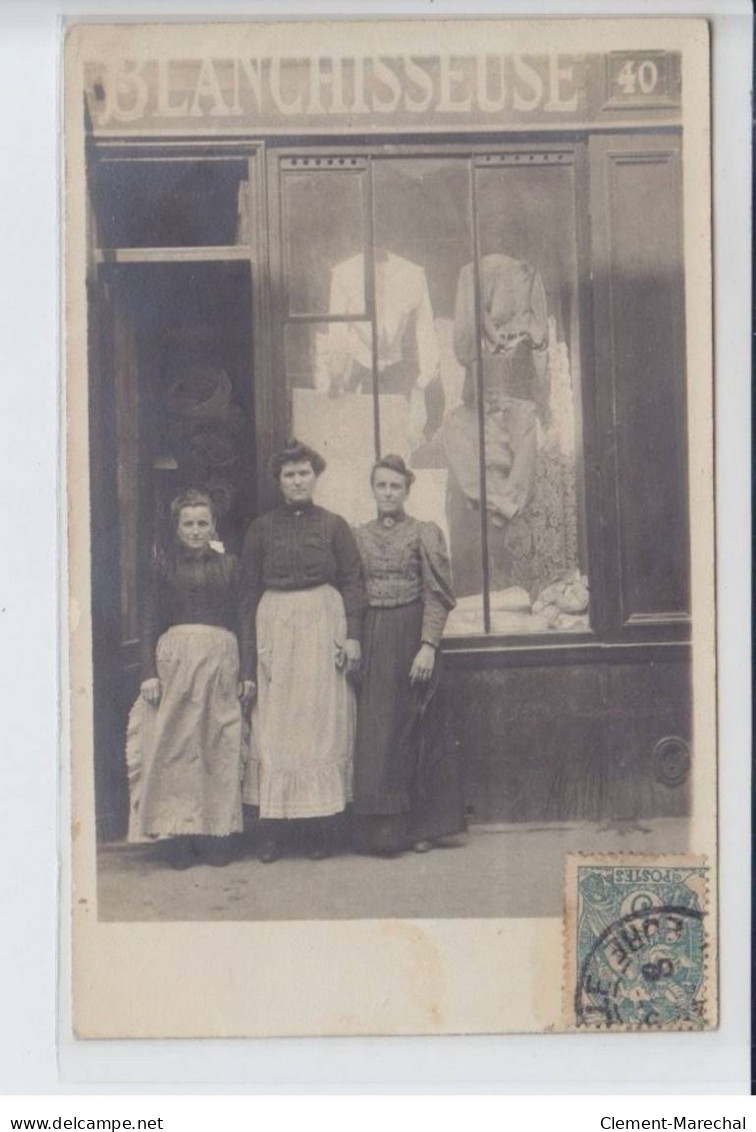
[
  {"x": 295, "y": 452},
  {"x": 396, "y": 464}
]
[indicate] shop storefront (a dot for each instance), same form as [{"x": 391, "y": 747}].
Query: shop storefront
[{"x": 475, "y": 262}]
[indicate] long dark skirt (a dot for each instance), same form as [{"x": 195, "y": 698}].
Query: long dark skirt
[{"x": 406, "y": 776}]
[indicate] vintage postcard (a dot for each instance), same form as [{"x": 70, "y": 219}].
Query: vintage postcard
[{"x": 389, "y": 473}]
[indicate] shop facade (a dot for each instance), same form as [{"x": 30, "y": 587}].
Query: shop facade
[{"x": 474, "y": 261}]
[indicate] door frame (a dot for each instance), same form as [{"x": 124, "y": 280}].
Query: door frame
[{"x": 116, "y": 661}]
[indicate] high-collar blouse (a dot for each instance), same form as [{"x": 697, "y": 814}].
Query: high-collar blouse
[
  {"x": 297, "y": 548},
  {"x": 185, "y": 588},
  {"x": 406, "y": 560},
  {"x": 403, "y": 306}
]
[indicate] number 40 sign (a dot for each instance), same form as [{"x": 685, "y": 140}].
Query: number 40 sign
[{"x": 638, "y": 77}]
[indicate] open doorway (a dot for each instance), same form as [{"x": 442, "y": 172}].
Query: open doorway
[{"x": 172, "y": 407}]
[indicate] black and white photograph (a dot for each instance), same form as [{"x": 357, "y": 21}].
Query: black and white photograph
[{"x": 391, "y": 512}]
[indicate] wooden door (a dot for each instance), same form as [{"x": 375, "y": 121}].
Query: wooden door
[
  {"x": 638, "y": 302},
  {"x": 114, "y": 477}
]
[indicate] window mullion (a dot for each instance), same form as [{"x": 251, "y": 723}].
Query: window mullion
[
  {"x": 370, "y": 302},
  {"x": 478, "y": 374}
]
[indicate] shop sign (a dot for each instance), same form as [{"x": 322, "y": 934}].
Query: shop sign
[{"x": 365, "y": 93}]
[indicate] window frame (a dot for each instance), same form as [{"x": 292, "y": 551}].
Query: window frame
[{"x": 573, "y": 147}]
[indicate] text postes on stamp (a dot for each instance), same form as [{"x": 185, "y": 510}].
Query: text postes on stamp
[{"x": 636, "y": 939}]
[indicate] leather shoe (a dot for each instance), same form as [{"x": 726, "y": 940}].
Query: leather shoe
[
  {"x": 179, "y": 853},
  {"x": 269, "y": 852},
  {"x": 181, "y": 863},
  {"x": 216, "y": 852}
]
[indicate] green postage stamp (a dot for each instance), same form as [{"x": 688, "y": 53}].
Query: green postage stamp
[{"x": 637, "y": 943}]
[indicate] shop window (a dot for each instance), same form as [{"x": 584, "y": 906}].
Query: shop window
[
  {"x": 332, "y": 407},
  {"x": 430, "y": 309},
  {"x": 528, "y": 359},
  {"x": 162, "y": 204},
  {"x": 324, "y": 215}
]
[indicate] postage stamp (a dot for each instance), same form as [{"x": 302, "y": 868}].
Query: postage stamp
[{"x": 637, "y": 943}]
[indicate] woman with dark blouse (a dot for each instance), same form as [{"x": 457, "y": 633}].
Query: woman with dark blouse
[
  {"x": 406, "y": 789},
  {"x": 302, "y": 605},
  {"x": 184, "y": 742}
]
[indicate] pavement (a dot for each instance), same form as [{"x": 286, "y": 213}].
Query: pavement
[{"x": 508, "y": 871}]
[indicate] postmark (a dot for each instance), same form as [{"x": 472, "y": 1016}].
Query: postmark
[{"x": 637, "y": 943}]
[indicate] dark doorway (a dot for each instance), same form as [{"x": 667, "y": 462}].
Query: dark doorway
[{"x": 172, "y": 407}]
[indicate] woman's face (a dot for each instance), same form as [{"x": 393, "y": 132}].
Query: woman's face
[
  {"x": 298, "y": 482},
  {"x": 390, "y": 490},
  {"x": 195, "y": 527}
]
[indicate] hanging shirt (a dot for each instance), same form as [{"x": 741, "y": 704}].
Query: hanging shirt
[
  {"x": 514, "y": 339},
  {"x": 513, "y": 307},
  {"x": 402, "y": 298}
]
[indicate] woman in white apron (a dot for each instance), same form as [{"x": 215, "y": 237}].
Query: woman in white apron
[{"x": 302, "y": 603}]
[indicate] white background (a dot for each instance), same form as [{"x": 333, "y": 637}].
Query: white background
[{"x": 33, "y": 1058}]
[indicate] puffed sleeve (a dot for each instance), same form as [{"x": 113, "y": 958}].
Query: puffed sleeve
[
  {"x": 332, "y": 348},
  {"x": 539, "y": 321},
  {"x": 249, "y": 591},
  {"x": 429, "y": 361},
  {"x": 465, "y": 344},
  {"x": 151, "y": 615},
  {"x": 540, "y": 335},
  {"x": 438, "y": 596},
  {"x": 230, "y": 568},
  {"x": 349, "y": 576}
]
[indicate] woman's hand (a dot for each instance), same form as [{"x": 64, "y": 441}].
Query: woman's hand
[
  {"x": 422, "y": 666},
  {"x": 247, "y": 693},
  {"x": 353, "y": 652},
  {"x": 151, "y": 691}
]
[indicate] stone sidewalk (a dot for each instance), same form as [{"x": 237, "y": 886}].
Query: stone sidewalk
[{"x": 495, "y": 871}]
